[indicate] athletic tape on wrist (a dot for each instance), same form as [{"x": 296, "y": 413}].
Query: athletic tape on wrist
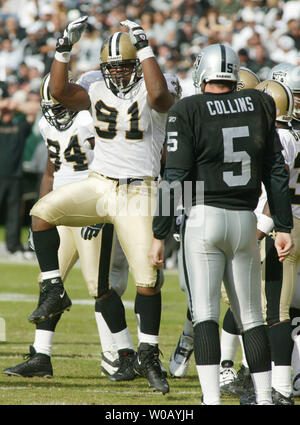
[
  {"x": 145, "y": 53},
  {"x": 265, "y": 224},
  {"x": 63, "y": 57}
]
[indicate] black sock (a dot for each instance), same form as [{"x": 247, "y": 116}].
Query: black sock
[
  {"x": 207, "y": 343},
  {"x": 148, "y": 307},
  {"x": 50, "y": 324},
  {"x": 113, "y": 312},
  {"x": 229, "y": 324},
  {"x": 46, "y": 243},
  {"x": 257, "y": 349},
  {"x": 280, "y": 336}
]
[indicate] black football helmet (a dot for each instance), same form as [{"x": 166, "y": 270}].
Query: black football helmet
[
  {"x": 119, "y": 65},
  {"x": 54, "y": 112}
]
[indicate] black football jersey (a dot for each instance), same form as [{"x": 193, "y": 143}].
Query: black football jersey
[{"x": 223, "y": 140}]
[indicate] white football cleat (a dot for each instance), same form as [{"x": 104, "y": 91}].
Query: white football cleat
[
  {"x": 110, "y": 362},
  {"x": 296, "y": 385},
  {"x": 227, "y": 373},
  {"x": 180, "y": 359}
]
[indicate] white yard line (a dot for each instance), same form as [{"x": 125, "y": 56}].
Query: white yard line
[{"x": 13, "y": 297}]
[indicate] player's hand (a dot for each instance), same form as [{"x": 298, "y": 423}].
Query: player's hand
[
  {"x": 75, "y": 29},
  {"x": 156, "y": 253},
  {"x": 71, "y": 35},
  {"x": 283, "y": 244},
  {"x": 89, "y": 232},
  {"x": 137, "y": 34}
]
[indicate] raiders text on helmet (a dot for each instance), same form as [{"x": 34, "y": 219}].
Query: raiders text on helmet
[
  {"x": 54, "y": 112},
  {"x": 216, "y": 62},
  {"x": 120, "y": 66},
  {"x": 283, "y": 98},
  {"x": 289, "y": 75},
  {"x": 248, "y": 79}
]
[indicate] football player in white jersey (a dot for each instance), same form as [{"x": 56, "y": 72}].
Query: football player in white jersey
[
  {"x": 69, "y": 137},
  {"x": 129, "y": 108}
]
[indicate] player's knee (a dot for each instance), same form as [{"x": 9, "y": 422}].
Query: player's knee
[{"x": 155, "y": 289}]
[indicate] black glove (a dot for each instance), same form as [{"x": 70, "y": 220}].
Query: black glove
[
  {"x": 137, "y": 34},
  {"x": 89, "y": 232},
  {"x": 71, "y": 35},
  {"x": 63, "y": 45}
]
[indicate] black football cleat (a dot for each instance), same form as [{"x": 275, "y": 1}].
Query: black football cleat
[
  {"x": 248, "y": 399},
  {"x": 241, "y": 385},
  {"x": 37, "y": 364},
  {"x": 281, "y": 400},
  {"x": 147, "y": 365},
  {"x": 53, "y": 300},
  {"x": 125, "y": 371}
]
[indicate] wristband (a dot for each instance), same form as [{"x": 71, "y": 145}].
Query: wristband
[
  {"x": 265, "y": 224},
  {"x": 145, "y": 53},
  {"x": 62, "y": 57}
]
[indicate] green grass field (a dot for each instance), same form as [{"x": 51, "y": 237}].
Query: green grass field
[{"x": 76, "y": 351}]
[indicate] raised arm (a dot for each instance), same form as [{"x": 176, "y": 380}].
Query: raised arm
[
  {"x": 159, "y": 98},
  {"x": 71, "y": 95}
]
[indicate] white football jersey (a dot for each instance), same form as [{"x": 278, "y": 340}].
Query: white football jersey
[
  {"x": 129, "y": 134},
  {"x": 68, "y": 152},
  {"x": 291, "y": 152}
]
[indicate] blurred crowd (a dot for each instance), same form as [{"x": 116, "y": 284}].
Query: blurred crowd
[{"x": 263, "y": 32}]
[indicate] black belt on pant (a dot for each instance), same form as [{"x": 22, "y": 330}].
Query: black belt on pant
[{"x": 129, "y": 180}]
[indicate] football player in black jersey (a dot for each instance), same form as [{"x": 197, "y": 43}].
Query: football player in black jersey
[{"x": 225, "y": 143}]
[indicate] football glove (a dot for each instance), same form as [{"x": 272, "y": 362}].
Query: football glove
[
  {"x": 70, "y": 36},
  {"x": 75, "y": 29},
  {"x": 137, "y": 34},
  {"x": 89, "y": 232}
]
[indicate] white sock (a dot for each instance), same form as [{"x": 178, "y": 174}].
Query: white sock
[
  {"x": 43, "y": 341},
  {"x": 244, "y": 360},
  {"x": 105, "y": 335},
  {"x": 209, "y": 377},
  {"x": 281, "y": 379},
  {"x": 149, "y": 339},
  {"x": 50, "y": 275},
  {"x": 146, "y": 338},
  {"x": 262, "y": 386},
  {"x": 229, "y": 345},
  {"x": 123, "y": 339},
  {"x": 188, "y": 328}
]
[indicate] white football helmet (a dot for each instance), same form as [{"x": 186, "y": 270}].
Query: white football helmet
[
  {"x": 55, "y": 113},
  {"x": 215, "y": 62},
  {"x": 119, "y": 65},
  {"x": 282, "y": 96},
  {"x": 289, "y": 75}
]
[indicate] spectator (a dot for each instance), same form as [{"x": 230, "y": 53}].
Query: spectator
[{"x": 14, "y": 128}]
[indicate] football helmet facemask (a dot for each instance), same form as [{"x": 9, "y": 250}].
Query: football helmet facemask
[
  {"x": 215, "y": 62},
  {"x": 248, "y": 79},
  {"x": 283, "y": 98},
  {"x": 119, "y": 65},
  {"x": 55, "y": 113},
  {"x": 289, "y": 75}
]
